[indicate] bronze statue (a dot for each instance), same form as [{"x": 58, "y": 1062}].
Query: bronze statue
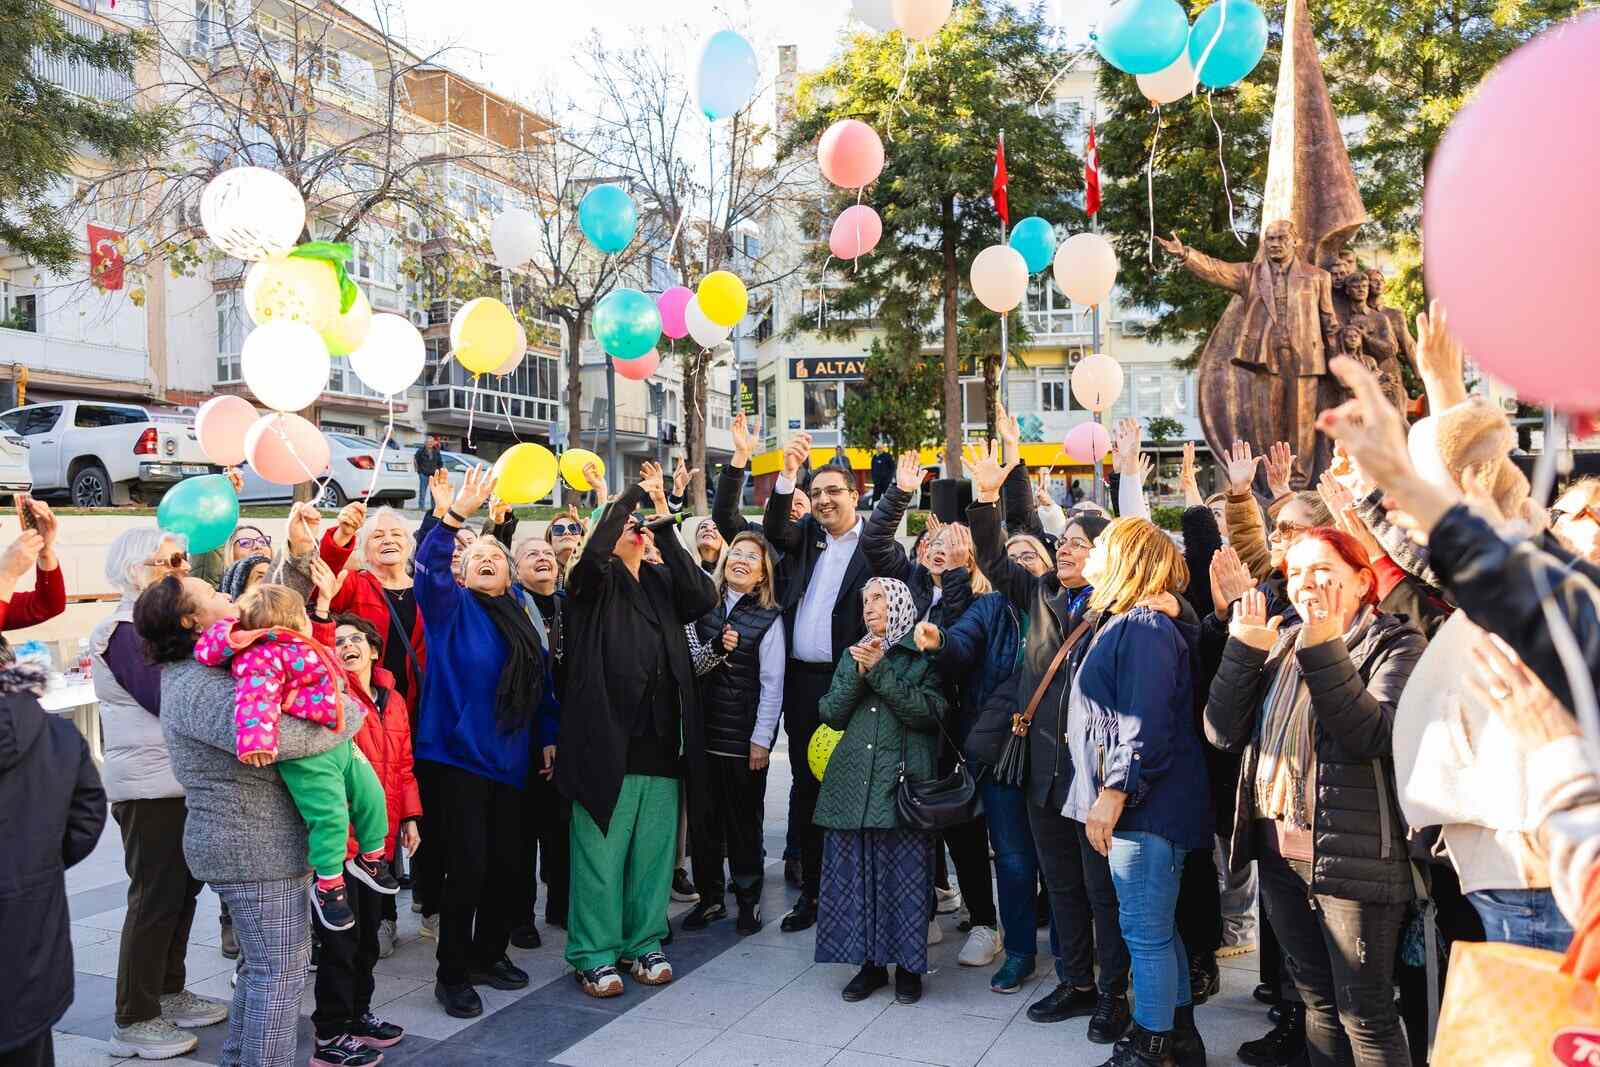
[
  {"x": 1339, "y": 268},
  {"x": 1355, "y": 339},
  {"x": 1288, "y": 314},
  {"x": 1396, "y": 317}
]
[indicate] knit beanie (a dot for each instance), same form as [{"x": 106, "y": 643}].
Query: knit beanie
[{"x": 238, "y": 574}]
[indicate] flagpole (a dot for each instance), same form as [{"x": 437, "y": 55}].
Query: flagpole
[
  {"x": 1094, "y": 312},
  {"x": 1004, "y": 315}
]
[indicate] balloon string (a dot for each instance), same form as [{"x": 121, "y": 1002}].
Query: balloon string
[
  {"x": 822, "y": 291},
  {"x": 1226, "y": 192},
  {"x": 711, "y": 197},
  {"x": 1071, "y": 62},
  {"x": 472, "y": 406},
  {"x": 905, "y": 76},
  {"x": 377, "y": 468},
  {"x": 1222, "y": 21},
  {"x": 1150, "y": 186},
  {"x": 506, "y": 411}
]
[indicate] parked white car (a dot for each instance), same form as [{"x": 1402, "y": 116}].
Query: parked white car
[
  {"x": 100, "y": 454},
  {"x": 353, "y": 461},
  {"x": 15, "y": 476}
]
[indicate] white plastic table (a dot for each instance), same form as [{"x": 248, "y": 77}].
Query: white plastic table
[{"x": 77, "y": 699}]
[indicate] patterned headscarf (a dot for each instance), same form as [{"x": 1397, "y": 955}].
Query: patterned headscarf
[{"x": 902, "y": 610}]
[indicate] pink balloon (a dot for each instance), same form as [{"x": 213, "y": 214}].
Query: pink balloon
[
  {"x": 856, "y": 232},
  {"x": 1509, "y": 226},
  {"x": 1088, "y": 442},
  {"x": 221, "y": 425},
  {"x": 639, "y": 369},
  {"x": 283, "y": 448},
  {"x": 850, "y": 154},
  {"x": 671, "y": 304}
]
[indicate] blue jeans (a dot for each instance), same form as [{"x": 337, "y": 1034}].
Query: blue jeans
[
  {"x": 1146, "y": 869},
  {"x": 1523, "y": 917},
  {"x": 1016, "y": 868},
  {"x": 422, "y": 491}
]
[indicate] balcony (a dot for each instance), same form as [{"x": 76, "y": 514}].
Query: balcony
[
  {"x": 1059, "y": 325},
  {"x": 81, "y": 79}
]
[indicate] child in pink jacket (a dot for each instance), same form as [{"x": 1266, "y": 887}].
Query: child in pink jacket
[{"x": 277, "y": 668}]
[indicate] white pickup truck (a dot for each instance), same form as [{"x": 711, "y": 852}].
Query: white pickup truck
[{"x": 100, "y": 454}]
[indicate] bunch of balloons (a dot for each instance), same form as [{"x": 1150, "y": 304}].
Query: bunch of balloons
[
  {"x": 708, "y": 315},
  {"x": 850, "y": 155},
  {"x": 1152, "y": 39},
  {"x": 1085, "y": 266}
]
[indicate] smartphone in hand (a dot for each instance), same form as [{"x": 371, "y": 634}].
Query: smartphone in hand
[{"x": 25, "y": 514}]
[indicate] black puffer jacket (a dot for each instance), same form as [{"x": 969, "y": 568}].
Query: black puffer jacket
[
  {"x": 730, "y": 694},
  {"x": 1358, "y": 834}
]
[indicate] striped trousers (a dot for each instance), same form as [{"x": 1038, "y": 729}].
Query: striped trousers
[{"x": 272, "y": 923}]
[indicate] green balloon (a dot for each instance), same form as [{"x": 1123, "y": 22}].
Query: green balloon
[{"x": 204, "y": 509}]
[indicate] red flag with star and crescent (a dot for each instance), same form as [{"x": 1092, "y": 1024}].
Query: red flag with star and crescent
[
  {"x": 1091, "y": 177},
  {"x": 1001, "y": 208}
]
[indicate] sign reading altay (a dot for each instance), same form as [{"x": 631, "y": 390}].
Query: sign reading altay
[{"x": 827, "y": 368}]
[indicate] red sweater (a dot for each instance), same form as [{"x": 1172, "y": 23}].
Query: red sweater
[
  {"x": 362, "y": 594},
  {"x": 47, "y": 599}
]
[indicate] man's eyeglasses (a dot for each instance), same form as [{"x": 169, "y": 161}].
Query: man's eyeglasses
[
  {"x": 563, "y": 529},
  {"x": 172, "y": 562},
  {"x": 829, "y": 492},
  {"x": 253, "y": 542}
]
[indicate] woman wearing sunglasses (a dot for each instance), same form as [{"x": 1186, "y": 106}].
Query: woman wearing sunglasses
[{"x": 565, "y": 534}]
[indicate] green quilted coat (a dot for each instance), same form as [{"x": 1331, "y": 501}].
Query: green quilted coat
[{"x": 899, "y": 699}]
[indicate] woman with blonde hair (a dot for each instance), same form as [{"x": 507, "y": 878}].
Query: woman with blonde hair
[{"x": 1140, "y": 787}]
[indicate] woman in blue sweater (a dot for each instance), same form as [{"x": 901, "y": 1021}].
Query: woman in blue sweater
[{"x": 486, "y": 684}]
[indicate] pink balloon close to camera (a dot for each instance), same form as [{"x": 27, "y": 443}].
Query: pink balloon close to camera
[
  {"x": 856, "y": 231},
  {"x": 672, "y": 303},
  {"x": 1088, "y": 442},
  {"x": 282, "y": 448},
  {"x": 850, "y": 154},
  {"x": 639, "y": 369},
  {"x": 221, "y": 425}
]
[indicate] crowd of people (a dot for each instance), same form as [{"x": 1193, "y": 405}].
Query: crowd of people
[{"x": 1335, "y": 723}]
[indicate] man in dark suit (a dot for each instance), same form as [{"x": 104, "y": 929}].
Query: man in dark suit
[{"x": 819, "y": 586}]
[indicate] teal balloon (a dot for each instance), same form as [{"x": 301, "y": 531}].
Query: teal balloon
[
  {"x": 627, "y": 323},
  {"x": 1142, "y": 36},
  {"x": 607, "y": 217},
  {"x": 1035, "y": 239},
  {"x": 1237, "y": 51},
  {"x": 204, "y": 509},
  {"x": 727, "y": 76}
]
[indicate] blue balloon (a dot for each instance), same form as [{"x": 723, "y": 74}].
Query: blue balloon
[
  {"x": 607, "y": 217},
  {"x": 627, "y": 323},
  {"x": 728, "y": 75},
  {"x": 1237, "y": 51},
  {"x": 203, "y": 509},
  {"x": 1035, "y": 238},
  {"x": 1142, "y": 36}
]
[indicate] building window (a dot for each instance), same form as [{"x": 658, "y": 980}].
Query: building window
[
  {"x": 1053, "y": 392},
  {"x": 974, "y": 403},
  {"x": 231, "y": 332},
  {"x": 342, "y": 427},
  {"x": 18, "y": 310},
  {"x": 823, "y": 407},
  {"x": 768, "y": 388}
]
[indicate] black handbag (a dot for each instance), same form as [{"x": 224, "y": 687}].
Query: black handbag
[
  {"x": 1011, "y": 767},
  {"x": 939, "y": 803}
]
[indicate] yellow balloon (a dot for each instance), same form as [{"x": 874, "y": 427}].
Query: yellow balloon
[
  {"x": 573, "y": 460},
  {"x": 350, "y": 329},
  {"x": 723, "y": 298},
  {"x": 292, "y": 290},
  {"x": 524, "y": 473},
  {"x": 483, "y": 334},
  {"x": 820, "y": 750}
]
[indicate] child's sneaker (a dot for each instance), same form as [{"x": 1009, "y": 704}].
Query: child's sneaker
[
  {"x": 332, "y": 905},
  {"x": 601, "y": 982},
  {"x": 344, "y": 1051},
  {"x": 374, "y": 872}
]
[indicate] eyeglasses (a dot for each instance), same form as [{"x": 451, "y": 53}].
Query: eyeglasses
[
  {"x": 1078, "y": 543},
  {"x": 172, "y": 562},
  {"x": 635, "y": 522},
  {"x": 1284, "y": 529},
  {"x": 562, "y": 529},
  {"x": 829, "y": 492},
  {"x": 1026, "y": 556},
  {"x": 357, "y": 638},
  {"x": 748, "y": 557},
  {"x": 1588, "y": 511},
  {"x": 253, "y": 542}
]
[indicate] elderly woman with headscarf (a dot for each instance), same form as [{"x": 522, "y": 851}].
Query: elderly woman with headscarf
[{"x": 877, "y": 876}]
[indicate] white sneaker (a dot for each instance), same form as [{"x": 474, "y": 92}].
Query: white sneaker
[
  {"x": 652, "y": 969},
  {"x": 935, "y": 933},
  {"x": 429, "y": 927},
  {"x": 982, "y": 948},
  {"x": 190, "y": 1012},
  {"x": 152, "y": 1039},
  {"x": 386, "y": 936},
  {"x": 948, "y": 900}
]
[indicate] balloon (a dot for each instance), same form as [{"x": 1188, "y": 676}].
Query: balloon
[
  {"x": 221, "y": 424},
  {"x": 823, "y": 741},
  {"x": 1509, "y": 219},
  {"x": 607, "y": 217},
  {"x": 514, "y": 360},
  {"x": 723, "y": 298},
  {"x": 203, "y": 509},
  {"x": 483, "y": 334},
  {"x": 1171, "y": 83},
  {"x": 1097, "y": 381},
  {"x": 1088, "y": 442},
  {"x": 627, "y": 323},
  {"x": 252, "y": 213},
  {"x": 1035, "y": 239},
  {"x": 514, "y": 237},
  {"x": 286, "y": 449},
  {"x": 671, "y": 304},
  {"x": 292, "y": 290},
  {"x": 999, "y": 277},
  {"x": 637, "y": 370},
  {"x": 1423, "y": 443},
  {"x": 850, "y": 154},
  {"x": 1086, "y": 268},
  {"x": 856, "y": 231},
  {"x": 1237, "y": 51},
  {"x": 285, "y": 364},
  {"x": 524, "y": 473},
  {"x": 391, "y": 359},
  {"x": 1142, "y": 36},
  {"x": 920, "y": 19},
  {"x": 573, "y": 460},
  {"x": 350, "y": 329},
  {"x": 704, "y": 332},
  {"x": 728, "y": 75},
  {"x": 879, "y": 14}
]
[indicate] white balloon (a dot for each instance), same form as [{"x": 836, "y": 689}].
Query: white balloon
[
  {"x": 390, "y": 359},
  {"x": 286, "y": 364},
  {"x": 1423, "y": 444},
  {"x": 879, "y": 14},
  {"x": 1086, "y": 268},
  {"x": 252, "y": 213},
  {"x": 706, "y": 333},
  {"x": 920, "y": 19},
  {"x": 514, "y": 237},
  {"x": 1097, "y": 382},
  {"x": 1171, "y": 83},
  {"x": 999, "y": 277},
  {"x": 514, "y": 360}
]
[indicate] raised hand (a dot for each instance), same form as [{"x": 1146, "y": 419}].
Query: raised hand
[
  {"x": 439, "y": 492},
  {"x": 304, "y": 522},
  {"x": 235, "y": 478},
  {"x": 929, "y": 638},
  {"x": 1240, "y": 463},
  {"x": 1230, "y": 578},
  {"x": 1250, "y": 622},
  {"x": 1500, "y": 680},
  {"x": 1327, "y": 616},
  {"x": 351, "y": 516},
  {"x": 868, "y": 653},
  {"x": 44, "y": 520},
  {"x": 1188, "y": 478},
  {"x": 989, "y": 472},
  {"x": 1439, "y": 359},
  {"x": 1010, "y": 432},
  {"x": 20, "y": 555},
  {"x": 652, "y": 481},
  {"x": 796, "y": 452},
  {"x": 1280, "y": 465},
  {"x": 498, "y": 510},
  {"x": 681, "y": 477},
  {"x": 1174, "y": 247},
  {"x": 1144, "y": 469},
  {"x": 1126, "y": 443},
  {"x": 908, "y": 472},
  {"x": 746, "y": 438},
  {"x": 326, "y": 583},
  {"x": 477, "y": 487},
  {"x": 597, "y": 482}
]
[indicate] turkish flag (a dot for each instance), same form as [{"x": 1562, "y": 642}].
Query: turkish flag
[
  {"x": 1091, "y": 177},
  {"x": 1000, "y": 179},
  {"x": 105, "y": 257}
]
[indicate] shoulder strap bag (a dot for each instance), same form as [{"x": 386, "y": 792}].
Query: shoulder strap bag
[
  {"x": 1012, "y": 766},
  {"x": 939, "y": 803}
]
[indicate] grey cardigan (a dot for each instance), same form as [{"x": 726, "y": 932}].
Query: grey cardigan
[{"x": 242, "y": 824}]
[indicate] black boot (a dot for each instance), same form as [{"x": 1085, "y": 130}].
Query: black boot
[
  {"x": 749, "y": 921},
  {"x": 907, "y": 986},
  {"x": 1204, "y": 980},
  {"x": 868, "y": 980},
  {"x": 709, "y": 910},
  {"x": 1188, "y": 1049},
  {"x": 1142, "y": 1048},
  {"x": 803, "y": 916},
  {"x": 1111, "y": 1018},
  {"x": 1283, "y": 1045}
]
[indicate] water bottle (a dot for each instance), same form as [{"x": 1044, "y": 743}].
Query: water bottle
[{"x": 85, "y": 664}]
